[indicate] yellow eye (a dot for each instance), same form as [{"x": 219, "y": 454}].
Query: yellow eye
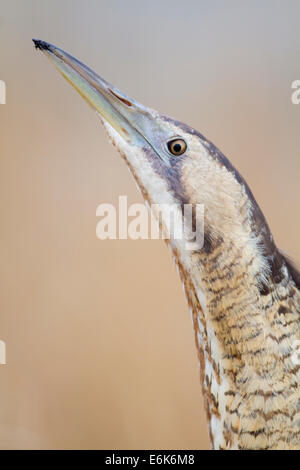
[{"x": 177, "y": 147}]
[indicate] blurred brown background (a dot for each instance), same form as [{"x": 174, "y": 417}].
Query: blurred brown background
[{"x": 100, "y": 346}]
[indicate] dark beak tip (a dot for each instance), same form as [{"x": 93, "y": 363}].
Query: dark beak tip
[{"x": 41, "y": 45}]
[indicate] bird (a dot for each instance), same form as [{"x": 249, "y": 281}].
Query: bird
[{"x": 243, "y": 292}]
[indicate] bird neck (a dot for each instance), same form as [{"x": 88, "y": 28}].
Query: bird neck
[{"x": 245, "y": 334}]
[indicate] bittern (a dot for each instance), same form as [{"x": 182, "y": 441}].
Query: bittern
[{"x": 243, "y": 292}]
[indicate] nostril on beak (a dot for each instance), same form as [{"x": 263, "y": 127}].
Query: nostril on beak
[{"x": 121, "y": 98}]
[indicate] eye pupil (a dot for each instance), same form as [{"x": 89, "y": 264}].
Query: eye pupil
[{"x": 177, "y": 146}]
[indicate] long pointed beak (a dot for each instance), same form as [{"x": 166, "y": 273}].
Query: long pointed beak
[{"x": 124, "y": 114}]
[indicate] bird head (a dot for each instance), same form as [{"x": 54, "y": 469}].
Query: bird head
[{"x": 172, "y": 163}]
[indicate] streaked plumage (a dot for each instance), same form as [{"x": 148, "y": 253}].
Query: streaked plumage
[{"x": 243, "y": 293}]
